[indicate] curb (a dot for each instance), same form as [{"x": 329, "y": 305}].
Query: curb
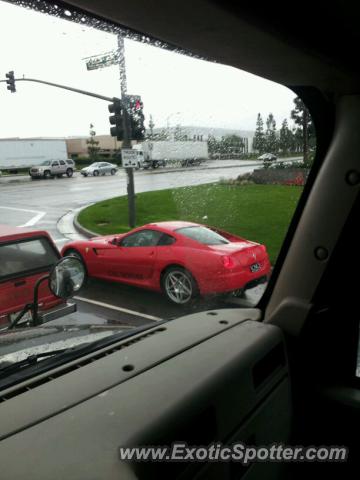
[{"x": 84, "y": 231}]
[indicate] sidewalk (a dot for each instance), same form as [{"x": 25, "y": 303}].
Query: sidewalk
[{"x": 66, "y": 227}]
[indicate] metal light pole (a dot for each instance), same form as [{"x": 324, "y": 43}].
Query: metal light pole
[{"x": 127, "y": 132}]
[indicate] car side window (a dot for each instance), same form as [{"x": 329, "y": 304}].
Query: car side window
[
  {"x": 143, "y": 238},
  {"x": 166, "y": 239},
  {"x": 55, "y": 164},
  {"x": 62, "y": 162}
]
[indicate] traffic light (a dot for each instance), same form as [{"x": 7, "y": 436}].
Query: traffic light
[
  {"x": 135, "y": 109},
  {"x": 117, "y": 119},
  {"x": 10, "y": 80}
]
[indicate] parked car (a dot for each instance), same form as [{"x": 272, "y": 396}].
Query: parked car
[
  {"x": 25, "y": 256},
  {"x": 181, "y": 259},
  {"x": 53, "y": 168},
  {"x": 99, "y": 168},
  {"x": 268, "y": 157}
]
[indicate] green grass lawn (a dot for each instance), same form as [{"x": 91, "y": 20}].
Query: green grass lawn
[{"x": 257, "y": 212}]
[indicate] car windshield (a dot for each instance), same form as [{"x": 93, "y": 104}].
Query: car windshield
[
  {"x": 203, "y": 235},
  {"x": 174, "y": 158}
]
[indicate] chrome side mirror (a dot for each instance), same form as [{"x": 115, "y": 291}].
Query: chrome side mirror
[{"x": 67, "y": 277}]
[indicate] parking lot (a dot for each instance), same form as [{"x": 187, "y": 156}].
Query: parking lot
[{"x": 51, "y": 204}]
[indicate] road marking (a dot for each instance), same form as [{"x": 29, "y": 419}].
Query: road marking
[
  {"x": 119, "y": 309},
  {"x": 33, "y": 220}
]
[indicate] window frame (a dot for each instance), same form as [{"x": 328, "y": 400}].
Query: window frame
[{"x": 139, "y": 232}]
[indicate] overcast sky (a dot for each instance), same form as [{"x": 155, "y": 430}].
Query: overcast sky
[{"x": 175, "y": 88}]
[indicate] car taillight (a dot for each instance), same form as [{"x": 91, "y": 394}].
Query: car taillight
[{"x": 228, "y": 262}]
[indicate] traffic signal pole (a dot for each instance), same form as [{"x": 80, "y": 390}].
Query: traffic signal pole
[
  {"x": 127, "y": 133},
  {"x": 10, "y": 80}
]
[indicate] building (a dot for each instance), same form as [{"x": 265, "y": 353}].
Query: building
[
  {"x": 108, "y": 145},
  {"x": 204, "y": 133}
]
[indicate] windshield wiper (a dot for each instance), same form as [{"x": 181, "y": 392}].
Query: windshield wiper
[
  {"x": 28, "y": 361},
  {"x": 29, "y": 367}
]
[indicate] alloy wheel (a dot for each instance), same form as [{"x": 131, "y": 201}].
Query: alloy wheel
[{"x": 178, "y": 286}]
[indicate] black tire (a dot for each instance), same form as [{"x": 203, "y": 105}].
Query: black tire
[
  {"x": 96, "y": 173},
  {"x": 113, "y": 171},
  {"x": 47, "y": 174},
  {"x": 69, "y": 172},
  {"x": 84, "y": 174},
  {"x": 179, "y": 286}
]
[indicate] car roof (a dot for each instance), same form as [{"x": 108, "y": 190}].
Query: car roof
[
  {"x": 8, "y": 233},
  {"x": 172, "y": 225}
]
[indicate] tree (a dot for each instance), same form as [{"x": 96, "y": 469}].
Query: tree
[
  {"x": 213, "y": 145},
  {"x": 285, "y": 140},
  {"x": 179, "y": 135},
  {"x": 259, "y": 138},
  {"x": 232, "y": 145},
  {"x": 93, "y": 148},
  {"x": 271, "y": 143},
  {"x": 305, "y": 128},
  {"x": 151, "y": 126}
]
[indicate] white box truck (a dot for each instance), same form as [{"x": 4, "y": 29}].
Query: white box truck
[
  {"x": 160, "y": 153},
  {"x": 18, "y": 153}
]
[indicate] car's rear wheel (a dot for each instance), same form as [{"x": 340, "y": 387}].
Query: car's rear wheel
[
  {"x": 69, "y": 172},
  {"x": 96, "y": 173},
  {"x": 113, "y": 171},
  {"x": 179, "y": 285}
]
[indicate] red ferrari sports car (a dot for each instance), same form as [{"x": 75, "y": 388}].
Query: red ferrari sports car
[{"x": 181, "y": 259}]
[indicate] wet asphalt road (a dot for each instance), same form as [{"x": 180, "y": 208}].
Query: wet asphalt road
[{"x": 40, "y": 204}]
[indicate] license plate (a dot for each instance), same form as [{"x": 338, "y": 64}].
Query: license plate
[
  {"x": 255, "y": 267},
  {"x": 25, "y": 318}
]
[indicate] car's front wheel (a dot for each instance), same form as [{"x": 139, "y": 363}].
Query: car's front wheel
[
  {"x": 96, "y": 173},
  {"x": 179, "y": 285},
  {"x": 69, "y": 172},
  {"x": 113, "y": 171},
  {"x": 47, "y": 174},
  {"x": 74, "y": 253}
]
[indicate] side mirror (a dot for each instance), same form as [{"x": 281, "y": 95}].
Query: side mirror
[
  {"x": 115, "y": 241},
  {"x": 67, "y": 277}
]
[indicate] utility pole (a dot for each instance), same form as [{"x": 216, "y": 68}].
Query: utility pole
[{"x": 127, "y": 132}]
